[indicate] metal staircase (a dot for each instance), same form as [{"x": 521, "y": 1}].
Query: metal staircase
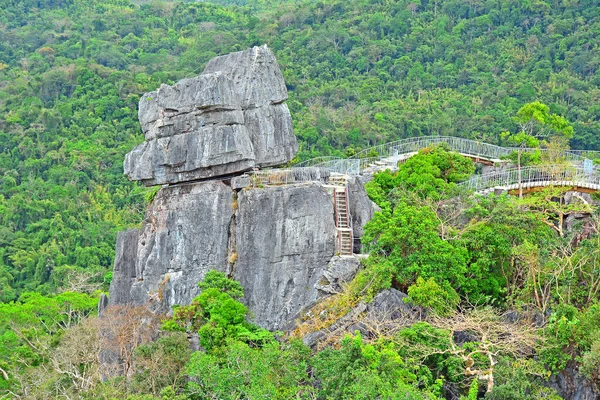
[{"x": 343, "y": 222}]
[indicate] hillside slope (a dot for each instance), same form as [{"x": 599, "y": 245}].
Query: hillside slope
[{"x": 359, "y": 73}]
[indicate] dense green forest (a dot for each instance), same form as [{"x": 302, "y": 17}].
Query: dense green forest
[
  {"x": 359, "y": 73},
  {"x": 504, "y": 301}
]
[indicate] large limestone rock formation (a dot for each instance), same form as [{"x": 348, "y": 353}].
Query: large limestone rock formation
[
  {"x": 229, "y": 119},
  {"x": 280, "y": 242}
]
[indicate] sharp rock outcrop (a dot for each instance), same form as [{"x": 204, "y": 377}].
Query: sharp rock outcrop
[
  {"x": 231, "y": 118},
  {"x": 280, "y": 241}
]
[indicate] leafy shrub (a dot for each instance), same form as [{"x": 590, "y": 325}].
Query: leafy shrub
[
  {"x": 217, "y": 315},
  {"x": 442, "y": 300}
]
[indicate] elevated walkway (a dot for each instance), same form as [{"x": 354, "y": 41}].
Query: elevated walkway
[
  {"x": 579, "y": 179},
  {"x": 577, "y": 171},
  {"x": 388, "y": 155}
]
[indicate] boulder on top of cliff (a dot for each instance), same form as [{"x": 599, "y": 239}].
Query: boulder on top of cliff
[{"x": 229, "y": 119}]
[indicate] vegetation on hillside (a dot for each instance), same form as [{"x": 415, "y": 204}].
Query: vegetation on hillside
[
  {"x": 359, "y": 73},
  {"x": 505, "y": 302},
  {"x": 486, "y": 271}
]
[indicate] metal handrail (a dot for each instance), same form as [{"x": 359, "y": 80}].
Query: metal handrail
[
  {"x": 393, "y": 151},
  {"x": 460, "y": 145},
  {"x": 288, "y": 176},
  {"x": 315, "y": 162},
  {"x": 534, "y": 176}
]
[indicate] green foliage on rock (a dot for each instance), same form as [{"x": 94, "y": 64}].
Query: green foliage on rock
[
  {"x": 429, "y": 294},
  {"x": 240, "y": 371},
  {"x": 217, "y": 315},
  {"x": 364, "y": 371}
]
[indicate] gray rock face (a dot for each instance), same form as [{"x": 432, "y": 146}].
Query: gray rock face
[
  {"x": 389, "y": 305},
  {"x": 386, "y": 313},
  {"x": 285, "y": 239},
  {"x": 229, "y": 119},
  {"x": 184, "y": 235},
  {"x": 124, "y": 272},
  {"x": 278, "y": 241},
  {"x": 570, "y": 384},
  {"x": 340, "y": 270},
  {"x": 361, "y": 207}
]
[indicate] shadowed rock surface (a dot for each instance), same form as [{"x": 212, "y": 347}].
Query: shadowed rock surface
[
  {"x": 124, "y": 270},
  {"x": 570, "y": 384},
  {"x": 386, "y": 313},
  {"x": 229, "y": 119},
  {"x": 340, "y": 270},
  {"x": 184, "y": 235},
  {"x": 361, "y": 205},
  {"x": 285, "y": 238}
]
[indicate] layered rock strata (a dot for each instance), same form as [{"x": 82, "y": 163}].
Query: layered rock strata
[{"x": 229, "y": 119}]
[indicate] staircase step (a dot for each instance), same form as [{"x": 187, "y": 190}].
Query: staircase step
[{"x": 345, "y": 234}]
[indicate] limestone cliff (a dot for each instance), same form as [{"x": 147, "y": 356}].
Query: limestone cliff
[{"x": 280, "y": 241}]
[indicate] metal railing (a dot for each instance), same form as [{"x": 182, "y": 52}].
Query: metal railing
[
  {"x": 288, "y": 176},
  {"x": 589, "y": 154},
  {"x": 316, "y": 162},
  {"x": 535, "y": 176},
  {"x": 393, "y": 152},
  {"x": 460, "y": 145}
]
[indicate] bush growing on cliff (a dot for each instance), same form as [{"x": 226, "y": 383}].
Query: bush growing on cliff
[
  {"x": 217, "y": 315},
  {"x": 428, "y": 293}
]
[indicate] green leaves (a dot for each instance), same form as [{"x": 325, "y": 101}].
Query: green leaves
[
  {"x": 570, "y": 334},
  {"x": 366, "y": 371},
  {"x": 536, "y": 119},
  {"x": 410, "y": 240},
  {"x": 432, "y": 173},
  {"x": 29, "y": 324},
  {"x": 218, "y": 281},
  {"x": 442, "y": 300},
  {"x": 217, "y": 315},
  {"x": 240, "y": 371}
]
